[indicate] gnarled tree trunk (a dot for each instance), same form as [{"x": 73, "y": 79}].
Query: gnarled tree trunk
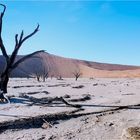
[{"x": 4, "y": 82}]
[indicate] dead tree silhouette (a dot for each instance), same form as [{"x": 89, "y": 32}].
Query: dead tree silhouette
[
  {"x": 45, "y": 74},
  {"x": 41, "y": 73},
  {"x": 40, "y": 70},
  {"x": 77, "y": 74},
  {"x": 11, "y": 62}
]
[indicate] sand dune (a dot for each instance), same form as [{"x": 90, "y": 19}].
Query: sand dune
[
  {"x": 92, "y": 73},
  {"x": 65, "y": 67}
]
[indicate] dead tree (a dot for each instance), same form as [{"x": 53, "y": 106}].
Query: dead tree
[
  {"x": 44, "y": 69},
  {"x": 38, "y": 76},
  {"x": 41, "y": 75},
  {"x": 77, "y": 74},
  {"x": 59, "y": 77},
  {"x": 11, "y": 62},
  {"x": 52, "y": 76},
  {"x": 45, "y": 74},
  {"x": 40, "y": 70}
]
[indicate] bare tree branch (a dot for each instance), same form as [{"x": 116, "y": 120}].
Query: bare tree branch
[
  {"x": 19, "y": 43},
  {"x": 25, "y": 57},
  {"x": 1, "y": 16},
  {"x": 16, "y": 40},
  {"x": 21, "y": 36},
  {"x": 3, "y": 9},
  {"x": 28, "y": 36},
  {"x": 1, "y": 42}
]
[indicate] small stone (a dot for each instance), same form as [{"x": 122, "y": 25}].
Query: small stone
[
  {"x": 52, "y": 137},
  {"x": 110, "y": 124},
  {"x": 42, "y": 137},
  {"x": 95, "y": 84}
]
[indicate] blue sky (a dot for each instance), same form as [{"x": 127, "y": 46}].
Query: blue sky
[{"x": 102, "y": 31}]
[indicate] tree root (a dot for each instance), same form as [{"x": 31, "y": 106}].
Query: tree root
[{"x": 3, "y": 98}]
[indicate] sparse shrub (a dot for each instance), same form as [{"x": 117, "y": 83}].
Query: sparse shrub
[
  {"x": 87, "y": 96},
  {"x": 66, "y": 96},
  {"x": 131, "y": 133},
  {"x": 91, "y": 78}
]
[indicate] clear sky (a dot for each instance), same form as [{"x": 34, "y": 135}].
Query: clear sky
[{"x": 102, "y": 31}]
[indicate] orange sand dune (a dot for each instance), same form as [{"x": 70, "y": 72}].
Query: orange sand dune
[
  {"x": 91, "y": 72},
  {"x": 65, "y": 67}
]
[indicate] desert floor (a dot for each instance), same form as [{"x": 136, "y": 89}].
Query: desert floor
[{"x": 108, "y": 107}]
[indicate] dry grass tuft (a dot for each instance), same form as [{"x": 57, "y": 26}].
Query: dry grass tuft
[{"x": 131, "y": 133}]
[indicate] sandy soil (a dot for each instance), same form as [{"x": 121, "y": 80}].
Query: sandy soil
[{"x": 112, "y": 106}]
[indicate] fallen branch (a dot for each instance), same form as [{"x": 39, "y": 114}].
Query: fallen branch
[
  {"x": 85, "y": 98},
  {"x": 37, "y": 121},
  {"x": 72, "y": 105},
  {"x": 49, "y": 100}
]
